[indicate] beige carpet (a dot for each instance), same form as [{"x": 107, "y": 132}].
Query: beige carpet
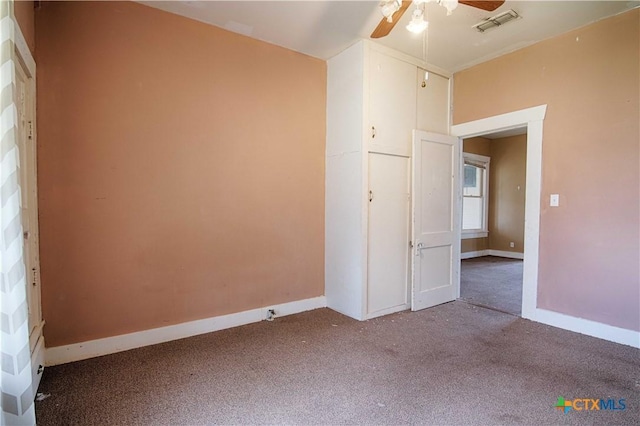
[{"x": 455, "y": 364}]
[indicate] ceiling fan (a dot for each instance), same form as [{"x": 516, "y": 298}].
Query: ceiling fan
[{"x": 394, "y": 9}]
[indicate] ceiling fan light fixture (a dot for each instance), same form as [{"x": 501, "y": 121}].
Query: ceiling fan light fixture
[
  {"x": 389, "y": 7},
  {"x": 417, "y": 24},
  {"x": 450, "y": 5}
]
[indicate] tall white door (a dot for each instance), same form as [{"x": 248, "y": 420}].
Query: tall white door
[
  {"x": 436, "y": 228},
  {"x": 388, "y": 242},
  {"x": 28, "y": 195}
]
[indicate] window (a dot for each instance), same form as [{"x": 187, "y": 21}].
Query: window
[{"x": 475, "y": 196}]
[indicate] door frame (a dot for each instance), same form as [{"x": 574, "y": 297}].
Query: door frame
[
  {"x": 28, "y": 65},
  {"x": 532, "y": 119},
  {"x": 25, "y": 59}
]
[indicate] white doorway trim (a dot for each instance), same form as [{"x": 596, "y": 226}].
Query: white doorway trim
[
  {"x": 24, "y": 54},
  {"x": 532, "y": 119},
  {"x": 25, "y": 60}
]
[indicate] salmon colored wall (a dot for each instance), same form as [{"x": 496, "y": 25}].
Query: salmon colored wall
[
  {"x": 23, "y": 11},
  {"x": 507, "y": 186},
  {"x": 181, "y": 170},
  {"x": 589, "y": 246}
]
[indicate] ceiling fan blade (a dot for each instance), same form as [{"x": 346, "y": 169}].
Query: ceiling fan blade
[
  {"x": 384, "y": 27},
  {"x": 484, "y": 5}
]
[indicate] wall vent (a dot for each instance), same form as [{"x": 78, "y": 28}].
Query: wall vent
[{"x": 496, "y": 21}]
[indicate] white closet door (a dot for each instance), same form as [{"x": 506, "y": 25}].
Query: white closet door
[
  {"x": 392, "y": 104},
  {"x": 25, "y": 103},
  {"x": 433, "y": 103},
  {"x": 27, "y": 150},
  {"x": 388, "y": 245},
  {"x": 436, "y": 224}
]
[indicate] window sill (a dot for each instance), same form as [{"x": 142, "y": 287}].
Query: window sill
[{"x": 474, "y": 234}]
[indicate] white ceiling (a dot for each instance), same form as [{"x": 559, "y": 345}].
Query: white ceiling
[{"x": 324, "y": 28}]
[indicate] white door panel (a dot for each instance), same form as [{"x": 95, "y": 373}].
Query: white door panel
[
  {"x": 388, "y": 248},
  {"x": 436, "y": 239},
  {"x": 392, "y": 104},
  {"x": 25, "y": 90},
  {"x": 435, "y": 276},
  {"x": 29, "y": 216},
  {"x": 436, "y": 185},
  {"x": 436, "y": 232}
]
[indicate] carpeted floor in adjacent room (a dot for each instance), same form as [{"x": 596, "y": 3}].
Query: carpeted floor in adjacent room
[
  {"x": 493, "y": 282},
  {"x": 454, "y": 364}
]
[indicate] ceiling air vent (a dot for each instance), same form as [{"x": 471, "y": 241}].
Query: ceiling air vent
[{"x": 496, "y": 21}]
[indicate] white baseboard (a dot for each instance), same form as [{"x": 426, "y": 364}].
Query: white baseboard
[
  {"x": 588, "y": 327},
  {"x": 567, "y": 322},
  {"x": 472, "y": 254},
  {"x": 498, "y": 253},
  {"x": 388, "y": 311},
  {"x": 508, "y": 254},
  {"x": 124, "y": 342}
]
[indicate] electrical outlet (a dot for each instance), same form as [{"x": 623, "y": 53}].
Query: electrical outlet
[
  {"x": 512, "y": 244},
  {"x": 271, "y": 314}
]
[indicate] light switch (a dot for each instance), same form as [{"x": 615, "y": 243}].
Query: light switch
[{"x": 554, "y": 200}]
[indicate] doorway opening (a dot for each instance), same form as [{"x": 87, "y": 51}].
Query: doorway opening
[
  {"x": 529, "y": 121},
  {"x": 493, "y": 204}
]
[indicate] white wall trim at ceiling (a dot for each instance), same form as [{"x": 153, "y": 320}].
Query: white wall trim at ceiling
[
  {"x": 409, "y": 59},
  {"x": 124, "y": 342},
  {"x": 532, "y": 119},
  {"x": 588, "y": 327}
]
